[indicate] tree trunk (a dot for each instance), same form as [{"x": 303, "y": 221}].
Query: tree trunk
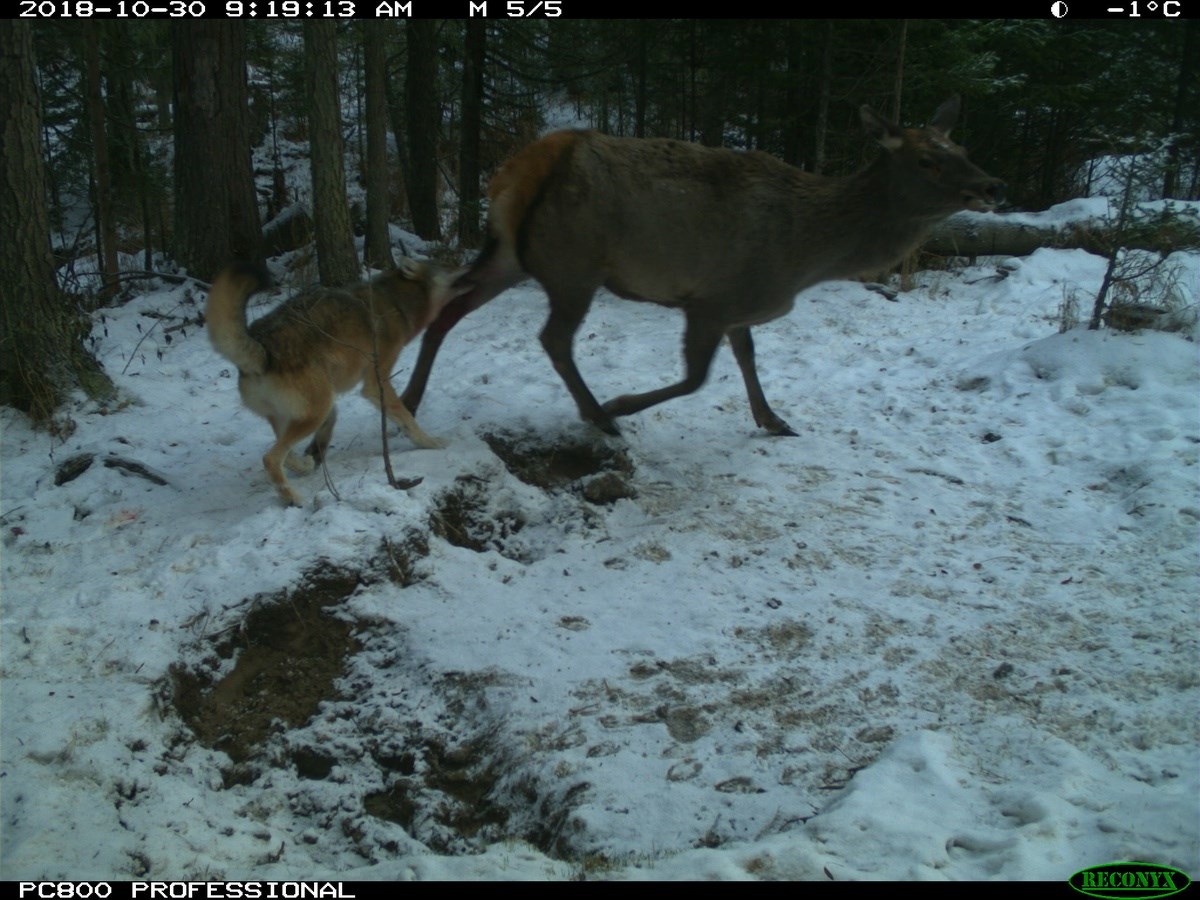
[
  {"x": 337, "y": 262},
  {"x": 396, "y": 118},
  {"x": 106, "y": 226},
  {"x": 279, "y": 198},
  {"x": 760, "y": 129},
  {"x": 421, "y": 104},
  {"x": 131, "y": 180},
  {"x": 898, "y": 84},
  {"x": 793, "y": 107},
  {"x": 999, "y": 236},
  {"x": 164, "y": 91},
  {"x": 710, "y": 118},
  {"x": 639, "y": 103},
  {"x": 378, "y": 245},
  {"x": 1185, "y": 104},
  {"x": 693, "y": 64},
  {"x": 469, "y": 208},
  {"x": 143, "y": 192},
  {"x": 216, "y": 208},
  {"x": 42, "y": 358},
  {"x": 824, "y": 89},
  {"x": 1050, "y": 156}
]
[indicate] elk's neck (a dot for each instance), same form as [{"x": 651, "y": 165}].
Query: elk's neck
[{"x": 870, "y": 223}]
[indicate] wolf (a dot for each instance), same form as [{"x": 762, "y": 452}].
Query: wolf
[{"x": 296, "y": 359}]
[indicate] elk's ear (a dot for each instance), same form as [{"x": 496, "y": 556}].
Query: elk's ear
[
  {"x": 887, "y": 133},
  {"x": 946, "y": 116}
]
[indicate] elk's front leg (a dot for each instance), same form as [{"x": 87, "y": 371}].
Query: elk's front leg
[
  {"x": 764, "y": 416},
  {"x": 567, "y": 310}
]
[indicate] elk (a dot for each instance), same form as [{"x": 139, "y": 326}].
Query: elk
[{"x": 727, "y": 237}]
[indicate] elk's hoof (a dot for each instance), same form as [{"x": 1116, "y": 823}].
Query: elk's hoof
[
  {"x": 605, "y": 423},
  {"x": 780, "y": 428}
]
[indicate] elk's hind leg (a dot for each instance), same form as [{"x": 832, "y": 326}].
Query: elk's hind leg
[
  {"x": 315, "y": 453},
  {"x": 700, "y": 342}
]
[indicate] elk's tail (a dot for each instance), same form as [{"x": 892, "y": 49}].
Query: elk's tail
[{"x": 519, "y": 184}]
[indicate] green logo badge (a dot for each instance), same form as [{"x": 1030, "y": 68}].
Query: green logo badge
[{"x": 1121, "y": 880}]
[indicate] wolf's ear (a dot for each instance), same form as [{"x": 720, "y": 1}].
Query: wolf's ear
[
  {"x": 410, "y": 268},
  {"x": 447, "y": 285}
]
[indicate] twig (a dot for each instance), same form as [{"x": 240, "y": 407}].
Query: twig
[
  {"x": 398, "y": 483},
  {"x": 329, "y": 481},
  {"x": 186, "y": 323},
  {"x": 134, "y": 467},
  {"x": 383, "y": 435},
  {"x": 166, "y": 276},
  {"x": 146, "y": 334}
]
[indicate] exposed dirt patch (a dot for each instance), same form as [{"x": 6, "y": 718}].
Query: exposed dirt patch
[
  {"x": 702, "y": 670},
  {"x": 467, "y": 784},
  {"x": 596, "y": 471},
  {"x": 312, "y": 763},
  {"x": 290, "y": 652},
  {"x": 607, "y": 488},
  {"x": 464, "y": 516},
  {"x": 399, "y": 558},
  {"x": 267, "y": 695},
  {"x": 686, "y": 723},
  {"x": 462, "y": 796},
  {"x": 787, "y": 638}
]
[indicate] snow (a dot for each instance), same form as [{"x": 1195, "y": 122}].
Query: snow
[{"x": 948, "y": 632}]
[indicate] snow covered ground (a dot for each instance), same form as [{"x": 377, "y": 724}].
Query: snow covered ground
[{"x": 948, "y": 632}]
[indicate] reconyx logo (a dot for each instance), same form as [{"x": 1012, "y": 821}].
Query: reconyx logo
[{"x": 1121, "y": 880}]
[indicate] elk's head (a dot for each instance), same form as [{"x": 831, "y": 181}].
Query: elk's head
[{"x": 929, "y": 173}]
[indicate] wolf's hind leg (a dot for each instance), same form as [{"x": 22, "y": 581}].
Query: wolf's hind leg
[
  {"x": 287, "y": 436},
  {"x": 314, "y": 455}
]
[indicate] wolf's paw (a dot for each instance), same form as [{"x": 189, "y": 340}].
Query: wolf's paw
[
  {"x": 427, "y": 441},
  {"x": 299, "y": 464},
  {"x": 290, "y": 497}
]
